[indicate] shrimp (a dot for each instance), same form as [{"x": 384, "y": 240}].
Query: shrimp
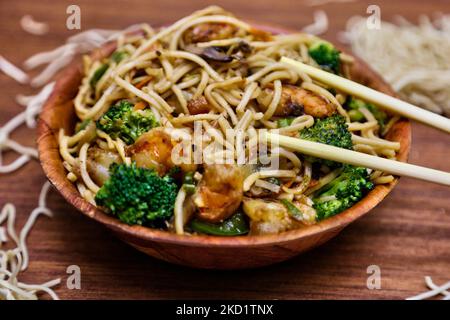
[
  {"x": 267, "y": 216},
  {"x": 98, "y": 163},
  {"x": 296, "y": 101},
  {"x": 153, "y": 150},
  {"x": 219, "y": 193},
  {"x": 209, "y": 31}
]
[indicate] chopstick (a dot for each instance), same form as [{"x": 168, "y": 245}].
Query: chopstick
[
  {"x": 383, "y": 100},
  {"x": 355, "y": 158}
]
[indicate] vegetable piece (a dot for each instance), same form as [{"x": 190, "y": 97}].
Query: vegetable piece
[
  {"x": 189, "y": 183},
  {"x": 198, "y": 105},
  {"x": 121, "y": 121},
  {"x": 274, "y": 180},
  {"x": 326, "y": 55},
  {"x": 98, "y": 74},
  {"x": 211, "y": 53},
  {"x": 343, "y": 192},
  {"x": 189, "y": 178},
  {"x": 292, "y": 209},
  {"x": 118, "y": 56},
  {"x": 236, "y": 225},
  {"x": 137, "y": 195},
  {"x": 333, "y": 131},
  {"x": 355, "y": 115},
  {"x": 82, "y": 125},
  {"x": 189, "y": 188},
  {"x": 284, "y": 122}
]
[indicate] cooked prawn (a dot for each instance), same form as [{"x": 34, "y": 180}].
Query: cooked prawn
[
  {"x": 268, "y": 216},
  {"x": 219, "y": 193},
  {"x": 209, "y": 31},
  {"x": 98, "y": 163},
  {"x": 153, "y": 150},
  {"x": 296, "y": 101}
]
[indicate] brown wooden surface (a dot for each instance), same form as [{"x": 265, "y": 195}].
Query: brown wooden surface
[{"x": 407, "y": 235}]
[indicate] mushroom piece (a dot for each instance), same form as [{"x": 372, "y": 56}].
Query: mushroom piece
[{"x": 210, "y": 53}]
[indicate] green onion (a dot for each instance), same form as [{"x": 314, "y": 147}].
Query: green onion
[
  {"x": 292, "y": 209},
  {"x": 236, "y": 225},
  {"x": 189, "y": 188},
  {"x": 274, "y": 180},
  {"x": 118, "y": 56},
  {"x": 356, "y": 115},
  {"x": 189, "y": 178},
  {"x": 82, "y": 125},
  {"x": 284, "y": 122},
  {"x": 98, "y": 74}
]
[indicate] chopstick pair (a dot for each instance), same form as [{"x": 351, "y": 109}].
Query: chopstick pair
[{"x": 358, "y": 158}]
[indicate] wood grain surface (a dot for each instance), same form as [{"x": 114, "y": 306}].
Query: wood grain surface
[{"x": 407, "y": 236}]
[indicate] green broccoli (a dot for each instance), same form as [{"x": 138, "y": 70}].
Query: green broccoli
[
  {"x": 137, "y": 195},
  {"x": 333, "y": 131},
  {"x": 343, "y": 192},
  {"x": 326, "y": 55},
  {"x": 355, "y": 115},
  {"x": 121, "y": 121}
]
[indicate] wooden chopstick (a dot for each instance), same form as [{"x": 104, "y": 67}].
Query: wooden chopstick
[
  {"x": 355, "y": 158},
  {"x": 383, "y": 100}
]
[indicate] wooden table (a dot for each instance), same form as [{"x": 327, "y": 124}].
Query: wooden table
[{"x": 408, "y": 235}]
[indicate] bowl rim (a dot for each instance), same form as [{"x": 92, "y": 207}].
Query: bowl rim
[{"x": 332, "y": 224}]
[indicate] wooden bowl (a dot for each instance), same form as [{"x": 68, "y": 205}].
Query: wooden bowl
[{"x": 201, "y": 251}]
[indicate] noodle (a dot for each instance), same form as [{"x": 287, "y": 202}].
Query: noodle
[
  {"x": 214, "y": 84},
  {"x": 397, "y": 52},
  {"x": 13, "y": 261}
]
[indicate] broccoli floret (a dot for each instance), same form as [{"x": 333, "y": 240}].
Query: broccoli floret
[
  {"x": 122, "y": 121},
  {"x": 355, "y": 115},
  {"x": 326, "y": 55},
  {"x": 343, "y": 192},
  {"x": 137, "y": 195},
  {"x": 333, "y": 131}
]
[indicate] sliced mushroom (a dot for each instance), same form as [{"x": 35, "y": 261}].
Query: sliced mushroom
[
  {"x": 198, "y": 105},
  {"x": 210, "y": 53}
]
